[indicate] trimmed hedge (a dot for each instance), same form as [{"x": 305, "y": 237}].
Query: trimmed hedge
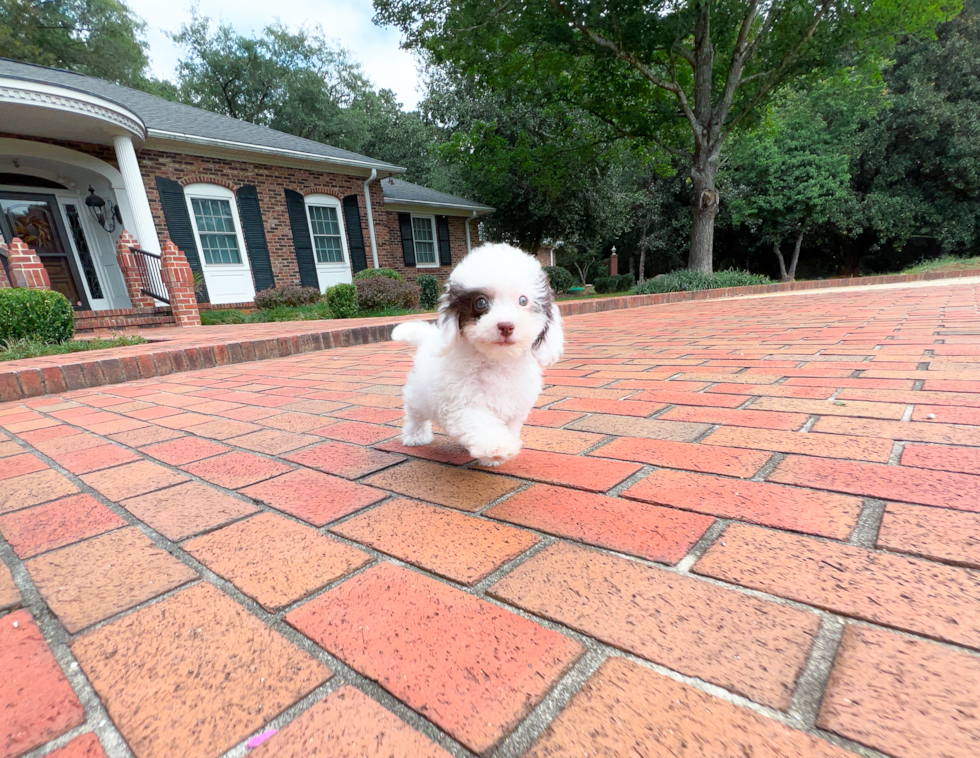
[
  {"x": 289, "y": 295},
  {"x": 380, "y": 293},
  {"x": 40, "y": 315},
  {"x": 561, "y": 278},
  {"x": 622, "y": 283},
  {"x": 371, "y": 273},
  {"x": 690, "y": 281},
  {"x": 428, "y": 291},
  {"x": 342, "y": 299}
]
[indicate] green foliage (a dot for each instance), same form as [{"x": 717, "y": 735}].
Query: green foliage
[
  {"x": 428, "y": 291},
  {"x": 606, "y": 284},
  {"x": 944, "y": 263},
  {"x": 102, "y": 38},
  {"x": 342, "y": 299},
  {"x": 29, "y": 347},
  {"x": 684, "y": 75},
  {"x": 288, "y": 295},
  {"x": 314, "y": 312},
  {"x": 919, "y": 170},
  {"x": 381, "y": 293},
  {"x": 689, "y": 281},
  {"x": 41, "y": 315},
  {"x": 561, "y": 278},
  {"x": 388, "y": 273},
  {"x": 793, "y": 172},
  {"x": 625, "y": 282}
]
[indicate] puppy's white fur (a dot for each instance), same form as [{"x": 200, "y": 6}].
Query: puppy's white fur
[{"x": 474, "y": 380}]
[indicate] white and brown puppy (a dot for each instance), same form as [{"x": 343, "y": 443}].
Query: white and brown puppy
[{"x": 478, "y": 368}]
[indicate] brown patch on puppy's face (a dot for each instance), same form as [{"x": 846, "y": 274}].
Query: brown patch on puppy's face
[{"x": 466, "y": 305}]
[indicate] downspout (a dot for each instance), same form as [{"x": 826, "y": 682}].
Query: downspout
[
  {"x": 367, "y": 202},
  {"x": 469, "y": 248}
]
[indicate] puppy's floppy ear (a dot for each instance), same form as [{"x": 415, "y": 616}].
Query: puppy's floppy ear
[
  {"x": 550, "y": 344},
  {"x": 448, "y": 324}
]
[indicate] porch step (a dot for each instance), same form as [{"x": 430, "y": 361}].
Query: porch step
[{"x": 91, "y": 322}]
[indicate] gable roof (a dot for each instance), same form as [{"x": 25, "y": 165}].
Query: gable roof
[
  {"x": 176, "y": 121},
  {"x": 398, "y": 191}
]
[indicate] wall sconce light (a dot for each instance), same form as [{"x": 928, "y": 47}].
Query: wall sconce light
[{"x": 103, "y": 211}]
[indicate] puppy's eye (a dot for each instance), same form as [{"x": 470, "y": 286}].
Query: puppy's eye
[
  {"x": 522, "y": 300},
  {"x": 482, "y": 304}
]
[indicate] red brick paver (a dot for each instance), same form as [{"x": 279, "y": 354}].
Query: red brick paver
[
  {"x": 471, "y": 667},
  {"x": 905, "y": 697},
  {"x": 36, "y": 700},
  {"x": 715, "y": 489}
]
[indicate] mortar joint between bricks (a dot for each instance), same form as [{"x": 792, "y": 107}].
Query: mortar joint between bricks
[
  {"x": 895, "y": 457},
  {"x": 767, "y": 468},
  {"x": 907, "y": 413},
  {"x": 812, "y": 684},
  {"x": 624, "y": 485},
  {"x": 700, "y": 547}
]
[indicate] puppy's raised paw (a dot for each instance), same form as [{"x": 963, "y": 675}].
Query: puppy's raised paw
[
  {"x": 494, "y": 455},
  {"x": 415, "y": 436}
]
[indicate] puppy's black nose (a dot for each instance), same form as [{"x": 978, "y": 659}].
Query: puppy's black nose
[{"x": 506, "y": 328}]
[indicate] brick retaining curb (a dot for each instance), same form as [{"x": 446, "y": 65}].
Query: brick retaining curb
[{"x": 153, "y": 359}]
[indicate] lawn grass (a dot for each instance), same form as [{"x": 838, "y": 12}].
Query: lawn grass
[
  {"x": 286, "y": 313},
  {"x": 27, "y": 348},
  {"x": 944, "y": 263}
]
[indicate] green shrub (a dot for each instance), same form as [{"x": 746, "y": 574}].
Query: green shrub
[
  {"x": 690, "y": 281},
  {"x": 428, "y": 291},
  {"x": 40, "y": 315},
  {"x": 371, "y": 273},
  {"x": 625, "y": 282},
  {"x": 606, "y": 284},
  {"x": 209, "y": 318},
  {"x": 561, "y": 278},
  {"x": 342, "y": 299},
  {"x": 289, "y": 295},
  {"x": 381, "y": 294}
]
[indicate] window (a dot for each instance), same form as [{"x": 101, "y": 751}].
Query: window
[
  {"x": 424, "y": 233},
  {"x": 216, "y": 230},
  {"x": 326, "y": 229}
]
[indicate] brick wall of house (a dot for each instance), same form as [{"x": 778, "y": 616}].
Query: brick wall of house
[
  {"x": 391, "y": 257},
  {"x": 270, "y": 181}
]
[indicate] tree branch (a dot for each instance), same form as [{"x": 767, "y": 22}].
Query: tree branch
[{"x": 737, "y": 65}]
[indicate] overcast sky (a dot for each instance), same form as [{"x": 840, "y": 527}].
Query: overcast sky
[{"x": 348, "y": 22}]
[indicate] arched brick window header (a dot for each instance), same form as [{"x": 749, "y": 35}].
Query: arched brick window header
[
  {"x": 205, "y": 179},
  {"x": 332, "y": 191}
]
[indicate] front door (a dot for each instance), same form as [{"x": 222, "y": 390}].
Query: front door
[{"x": 36, "y": 220}]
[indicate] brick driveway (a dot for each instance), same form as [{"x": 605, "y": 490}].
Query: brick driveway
[{"x": 738, "y": 528}]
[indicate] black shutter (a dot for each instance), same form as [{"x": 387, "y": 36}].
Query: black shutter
[
  {"x": 296, "y": 208},
  {"x": 179, "y": 227},
  {"x": 355, "y": 237},
  {"x": 445, "y": 251},
  {"x": 408, "y": 243},
  {"x": 254, "y": 232}
]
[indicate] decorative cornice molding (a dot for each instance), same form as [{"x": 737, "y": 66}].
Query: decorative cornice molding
[{"x": 66, "y": 101}]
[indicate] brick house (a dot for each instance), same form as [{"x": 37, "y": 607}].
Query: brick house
[{"x": 83, "y": 161}]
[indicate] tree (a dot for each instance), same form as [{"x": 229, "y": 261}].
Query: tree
[
  {"x": 550, "y": 171},
  {"x": 295, "y": 82},
  {"x": 681, "y": 73},
  {"x": 100, "y": 38},
  {"x": 794, "y": 171},
  {"x": 919, "y": 167}
]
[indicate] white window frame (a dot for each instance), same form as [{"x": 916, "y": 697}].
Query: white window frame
[
  {"x": 435, "y": 240},
  {"x": 332, "y": 202},
  {"x": 216, "y": 192}
]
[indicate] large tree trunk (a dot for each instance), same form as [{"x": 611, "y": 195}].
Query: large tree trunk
[
  {"x": 641, "y": 274},
  {"x": 704, "y": 203}
]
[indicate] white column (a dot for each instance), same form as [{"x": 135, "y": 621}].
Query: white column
[{"x": 129, "y": 167}]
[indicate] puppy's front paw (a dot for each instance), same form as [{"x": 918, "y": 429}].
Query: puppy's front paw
[
  {"x": 414, "y": 436},
  {"x": 496, "y": 454}
]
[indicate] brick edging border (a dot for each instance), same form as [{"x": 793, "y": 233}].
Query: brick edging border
[
  {"x": 578, "y": 307},
  {"x": 22, "y": 384}
]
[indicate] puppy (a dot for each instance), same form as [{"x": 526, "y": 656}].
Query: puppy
[{"x": 478, "y": 368}]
